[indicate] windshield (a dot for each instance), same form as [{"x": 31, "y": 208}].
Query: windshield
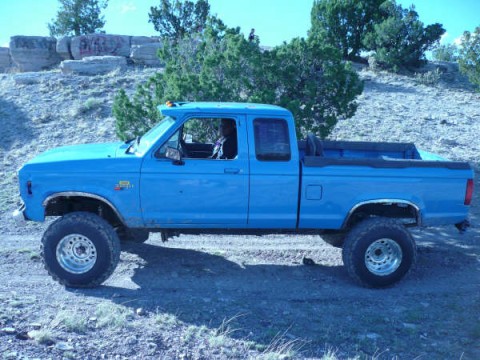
[{"x": 143, "y": 143}]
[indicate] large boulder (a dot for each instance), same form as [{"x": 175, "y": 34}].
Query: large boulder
[
  {"x": 141, "y": 40},
  {"x": 146, "y": 54},
  {"x": 5, "y": 59},
  {"x": 63, "y": 48},
  {"x": 33, "y": 53},
  {"x": 100, "y": 45},
  {"x": 94, "y": 65}
]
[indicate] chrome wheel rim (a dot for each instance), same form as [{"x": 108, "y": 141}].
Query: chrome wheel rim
[
  {"x": 383, "y": 257},
  {"x": 76, "y": 254}
]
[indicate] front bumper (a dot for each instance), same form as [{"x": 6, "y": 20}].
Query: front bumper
[{"x": 19, "y": 216}]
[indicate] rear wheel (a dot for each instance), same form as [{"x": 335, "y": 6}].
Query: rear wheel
[
  {"x": 378, "y": 252},
  {"x": 80, "y": 250}
]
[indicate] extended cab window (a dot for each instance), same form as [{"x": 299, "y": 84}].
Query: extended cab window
[{"x": 272, "y": 141}]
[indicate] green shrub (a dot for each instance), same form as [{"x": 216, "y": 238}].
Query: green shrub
[
  {"x": 315, "y": 85},
  {"x": 469, "y": 58},
  {"x": 307, "y": 77},
  {"x": 448, "y": 52},
  {"x": 134, "y": 117},
  {"x": 78, "y": 17},
  {"x": 175, "y": 19},
  {"x": 430, "y": 78},
  {"x": 344, "y": 23},
  {"x": 401, "y": 40},
  {"x": 90, "y": 104}
]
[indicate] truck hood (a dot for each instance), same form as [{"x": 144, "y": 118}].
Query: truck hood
[{"x": 78, "y": 153}]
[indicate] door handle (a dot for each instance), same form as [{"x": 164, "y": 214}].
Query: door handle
[{"x": 231, "y": 171}]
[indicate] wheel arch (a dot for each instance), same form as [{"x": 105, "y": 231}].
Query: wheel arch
[
  {"x": 390, "y": 208},
  {"x": 61, "y": 203}
]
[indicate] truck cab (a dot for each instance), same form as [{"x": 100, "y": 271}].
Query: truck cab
[{"x": 257, "y": 188}]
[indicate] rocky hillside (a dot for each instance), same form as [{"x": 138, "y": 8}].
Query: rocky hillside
[
  {"x": 441, "y": 117},
  {"x": 42, "y": 110}
]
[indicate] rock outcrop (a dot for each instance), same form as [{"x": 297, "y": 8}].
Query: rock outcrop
[
  {"x": 146, "y": 54},
  {"x": 63, "y": 48},
  {"x": 33, "y": 53},
  {"x": 94, "y": 65},
  {"x": 100, "y": 45},
  {"x": 141, "y": 40},
  {"x": 5, "y": 59}
]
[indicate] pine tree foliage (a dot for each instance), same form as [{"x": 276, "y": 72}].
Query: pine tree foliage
[
  {"x": 78, "y": 17},
  {"x": 446, "y": 52},
  {"x": 401, "y": 39},
  {"x": 175, "y": 19},
  {"x": 306, "y": 77},
  {"x": 469, "y": 58},
  {"x": 344, "y": 23}
]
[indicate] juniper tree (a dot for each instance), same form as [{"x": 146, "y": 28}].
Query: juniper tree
[
  {"x": 469, "y": 58},
  {"x": 175, "y": 19},
  {"x": 308, "y": 78},
  {"x": 344, "y": 23},
  {"x": 78, "y": 17},
  {"x": 401, "y": 39}
]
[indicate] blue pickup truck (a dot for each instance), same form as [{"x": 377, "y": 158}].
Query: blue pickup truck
[{"x": 361, "y": 196}]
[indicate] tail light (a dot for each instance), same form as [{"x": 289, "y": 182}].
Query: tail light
[{"x": 469, "y": 192}]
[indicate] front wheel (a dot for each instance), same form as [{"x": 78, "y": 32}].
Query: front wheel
[
  {"x": 80, "y": 250},
  {"x": 378, "y": 252}
]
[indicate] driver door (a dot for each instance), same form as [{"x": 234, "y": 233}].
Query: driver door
[{"x": 198, "y": 191}]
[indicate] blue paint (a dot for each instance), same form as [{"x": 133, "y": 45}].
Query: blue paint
[{"x": 247, "y": 192}]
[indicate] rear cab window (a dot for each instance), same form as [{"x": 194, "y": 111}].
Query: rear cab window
[{"x": 272, "y": 140}]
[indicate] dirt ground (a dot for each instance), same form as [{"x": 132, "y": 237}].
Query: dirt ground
[{"x": 244, "y": 297}]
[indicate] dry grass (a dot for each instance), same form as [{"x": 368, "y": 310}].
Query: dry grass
[
  {"x": 42, "y": 336},
  {"x": 71, "y": 321},
  {"x": 111, "y": 316},
  {"x": 166, "y": 321}
]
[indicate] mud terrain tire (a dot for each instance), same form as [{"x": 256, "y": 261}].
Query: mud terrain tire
[
  {"x": 80, "y": 250},
  {"x": 378, "y": 252}
]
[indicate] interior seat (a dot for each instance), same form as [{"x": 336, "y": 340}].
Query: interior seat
[{"x": 314, "y": 146}]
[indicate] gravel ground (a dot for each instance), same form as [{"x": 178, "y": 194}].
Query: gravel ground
[{"x": 234, "y": 296}]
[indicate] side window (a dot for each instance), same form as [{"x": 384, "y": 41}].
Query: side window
[
  {"x": 272, "y": 141},
  {"x": 201, "y": 131},
  {"x": 204, "y": 138}
]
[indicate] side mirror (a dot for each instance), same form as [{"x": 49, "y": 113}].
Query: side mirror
[{"x": 174, "y": 155}]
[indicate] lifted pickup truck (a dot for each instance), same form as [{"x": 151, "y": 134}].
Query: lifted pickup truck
[{"x": 361, "y": 196}]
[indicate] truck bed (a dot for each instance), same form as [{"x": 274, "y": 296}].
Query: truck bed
[
  {"x": 372, "y": 154},
  {"x": 339, "y": 175}
]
